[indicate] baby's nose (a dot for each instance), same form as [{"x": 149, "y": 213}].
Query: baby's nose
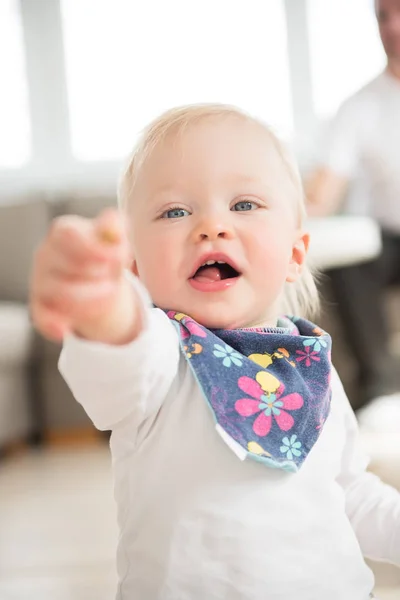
[{"x": 211, "y": 229}]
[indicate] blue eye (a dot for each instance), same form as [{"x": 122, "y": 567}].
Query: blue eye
[
  {"x": 244, "y": 205},
  {"x": 175, "y": 213}
]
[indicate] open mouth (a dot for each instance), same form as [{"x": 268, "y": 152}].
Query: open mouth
[{"x": 213, "y": 270}]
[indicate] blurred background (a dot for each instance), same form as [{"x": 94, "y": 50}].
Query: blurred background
[{"x": 79, "y": 79}]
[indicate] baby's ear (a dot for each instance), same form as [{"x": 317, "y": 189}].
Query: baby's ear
[
  {"x": 134, "y": 268},
  {"x": 299, "y": 254}
]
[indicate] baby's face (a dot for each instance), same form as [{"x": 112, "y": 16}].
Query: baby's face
[{"x": 216, "y": 194}]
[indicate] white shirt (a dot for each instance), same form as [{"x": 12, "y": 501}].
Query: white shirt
[
  {"x": 363, "y": 144},
  {"x": 196, "y": 522}
]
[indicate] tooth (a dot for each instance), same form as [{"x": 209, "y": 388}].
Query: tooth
[
  {"x": 210, "y": 262},
  {"x": 220, "y": 262}
]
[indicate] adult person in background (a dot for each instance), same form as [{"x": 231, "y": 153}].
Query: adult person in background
[{"x": 359, "y": 173}]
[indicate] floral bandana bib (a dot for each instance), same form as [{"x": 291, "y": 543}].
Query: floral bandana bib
[{"x": 268, "y": 388}]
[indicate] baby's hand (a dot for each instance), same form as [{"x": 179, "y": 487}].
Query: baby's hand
[{"x": 78, "y": 283}]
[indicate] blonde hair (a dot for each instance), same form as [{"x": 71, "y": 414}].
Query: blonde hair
[{"x": 300, "y": 298}]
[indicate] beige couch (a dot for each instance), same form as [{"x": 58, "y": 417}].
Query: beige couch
[
  {"x": 21, "y": 227},
  {"x": 33, "y": 397}
]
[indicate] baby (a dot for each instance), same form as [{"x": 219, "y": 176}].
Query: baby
[{"x": 238, "y": 471}]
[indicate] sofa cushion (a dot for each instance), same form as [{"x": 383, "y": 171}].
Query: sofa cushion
[
  {"x": 16, "y": 334},
  {"x": 85, "y": 205},
  {"x": 23, "y": 224}
]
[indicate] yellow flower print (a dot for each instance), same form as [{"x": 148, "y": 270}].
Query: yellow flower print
[{"x": 193, "y": 349}]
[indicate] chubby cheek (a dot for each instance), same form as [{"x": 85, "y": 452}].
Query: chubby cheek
[
  {"x": 270, "y": 255},
  {"x": 156, "y": 258}
]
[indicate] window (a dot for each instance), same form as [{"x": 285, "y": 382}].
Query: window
[
  {"x": 127, "y": 61},
  {"x": 14, "y": 111},
  {"x": 345, "y": 50}
]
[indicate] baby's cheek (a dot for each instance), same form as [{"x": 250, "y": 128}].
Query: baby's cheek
[
  {"x": 273, "y": 258},
  {"x": 270, "y": 246},
  {"x": 158, "y": 273}
]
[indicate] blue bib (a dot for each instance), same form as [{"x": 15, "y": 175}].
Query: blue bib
[{"x": 268, "y": 388}]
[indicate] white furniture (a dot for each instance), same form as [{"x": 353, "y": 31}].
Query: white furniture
[{"x": 342, "y": 240}]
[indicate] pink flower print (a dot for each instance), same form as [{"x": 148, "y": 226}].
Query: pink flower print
[
  {"x": 269, "y": 402},
  {"x": 308, "y": 355},
  {"x": 186, "y": 323}
]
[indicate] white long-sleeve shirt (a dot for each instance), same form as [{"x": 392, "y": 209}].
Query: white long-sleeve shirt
[
  {"x": 196, "y": 522},
  {"x": 363, "y": 145}
]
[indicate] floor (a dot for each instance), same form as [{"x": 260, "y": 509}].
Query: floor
[{"x": 58, "y": 532}]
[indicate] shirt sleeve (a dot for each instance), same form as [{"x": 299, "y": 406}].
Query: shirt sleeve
[
  {"x": 372, "y": 506},
  {"x": 114, "y": 383},
  {"x": 341, "y": 144}
]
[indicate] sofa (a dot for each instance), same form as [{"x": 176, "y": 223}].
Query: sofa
[{"x": 34, "y": 399}]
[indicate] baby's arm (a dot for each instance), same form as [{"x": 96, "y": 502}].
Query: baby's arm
[
  {"x": 119, "y": 356},
  {"x": 119, "y": 382},
  {"x": 372, "y": 506}
]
